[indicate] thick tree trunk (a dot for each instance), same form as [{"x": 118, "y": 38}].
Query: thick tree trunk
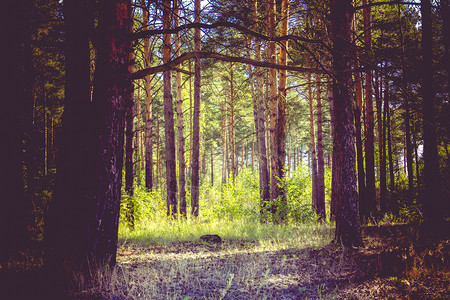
[
  {"x": 171, "y": 172},
  {"x": 347, "y": 220},
  {"x": 180, "y": 121},
  {"x": 196, "y": 120},
  {"x": 73, "y": 205},
  {"x": 435, "y": 207}
]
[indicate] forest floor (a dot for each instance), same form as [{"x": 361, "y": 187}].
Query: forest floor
[{"x": 392, "y": 265}]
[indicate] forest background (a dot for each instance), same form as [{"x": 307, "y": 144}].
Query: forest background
[{"x": 219, "y": 111}]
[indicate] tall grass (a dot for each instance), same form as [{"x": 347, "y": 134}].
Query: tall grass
[{"x": 231, "y": 210}]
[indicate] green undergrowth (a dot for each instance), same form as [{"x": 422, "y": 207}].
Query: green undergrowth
[
  {"x": 266, "y": 235},
  {"x": 230, "y": 210}
]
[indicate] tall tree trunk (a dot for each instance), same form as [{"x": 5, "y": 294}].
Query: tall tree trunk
[
  {"x": 383, "y": 180},
  {"x": 369, "y": 142},
  {"x": 196, "y": 120},
  {"x": 129, "y": 116},
  {"x": 435, "y": 206},
  {"x": 73, "y": 206},
  {"x": 259, "y": 112},
  {"x": 180, "y": 121},
  {"x": 171, "y": 173},
  {"x": 334, "y": 174},
  {"x": 158, "y": 154},
  {"x": 393, "y": 205},
  {"x": 224, "y": 144},
  {"x": 148, "y": 106},
  {"x": 359, "y": 148},
  {"x": 348, "y": 230},
  {"x": 273, "y": 104},
  {"x": 129, "y": 148},
  {"x": 320, "y": 197},
  {"x": 409, "y": 154},
  {"x": 232, "y": 128},
  {"x": 312, "y": 141},
  {"x": 280, "y": 128}
]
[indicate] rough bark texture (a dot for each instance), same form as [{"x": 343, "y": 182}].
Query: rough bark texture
[
  {"x": 273, "y": 106},
  {"x": 180, "y": 122},
  {"x": 260, "y": 126},
  {"x": 171, "y": 172},
  {"x": 320, "y": 204},
  {"x": 233, "y": 149},
  {"x": 196, "y": 121},
  {"x": 280, "y": 128},
  {"x": 148, "y": 111},
  {"x": 347, "y": 220},
  {"x": 83, "y": 220}
]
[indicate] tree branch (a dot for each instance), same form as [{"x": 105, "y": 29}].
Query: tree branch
[
  {"x": 189, "y": 55},
  {"x": 243, "y": 29}
]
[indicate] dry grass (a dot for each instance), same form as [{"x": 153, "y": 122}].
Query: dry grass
[
  {"x": 262, "y": 262},
  {"x": 289, "y": 263}
]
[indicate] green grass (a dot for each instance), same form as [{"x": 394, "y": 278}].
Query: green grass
[{"x": 163, "y": 232}]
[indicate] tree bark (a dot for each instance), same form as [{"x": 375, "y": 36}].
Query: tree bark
[
  {"x": 280, "y": 128},
  {"x": 312, "y": 142},
  {"x": 180, "y": 121},
  {"x": 196, "y": 120},
  {"x": 383, "y": 179},
  {"x": 347, "y": 220},
  {"x": 232, "y": 128},
  {"x": 393, "y": 205},
  {"x": 171, "y": 173},
  {"x": 259, "y": 112},
  {"x": 359, "y": 148},
  {"x": 320, "y": 197},
  {"x": 435, "y": 207},
  {"x": 369, "y": 125}
]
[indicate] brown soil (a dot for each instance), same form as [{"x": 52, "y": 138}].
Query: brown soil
[{"x": 394, "y": 264}]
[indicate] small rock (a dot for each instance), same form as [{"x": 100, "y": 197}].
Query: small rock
[{"x": 211, "y": 238}]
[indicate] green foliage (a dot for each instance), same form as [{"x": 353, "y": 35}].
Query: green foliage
[
  {"x": 239, "y": 199},
  {"x": 298, "y": 192}
]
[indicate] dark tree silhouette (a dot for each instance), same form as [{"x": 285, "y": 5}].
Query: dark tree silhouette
[{"x": 347, "y": 218}]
